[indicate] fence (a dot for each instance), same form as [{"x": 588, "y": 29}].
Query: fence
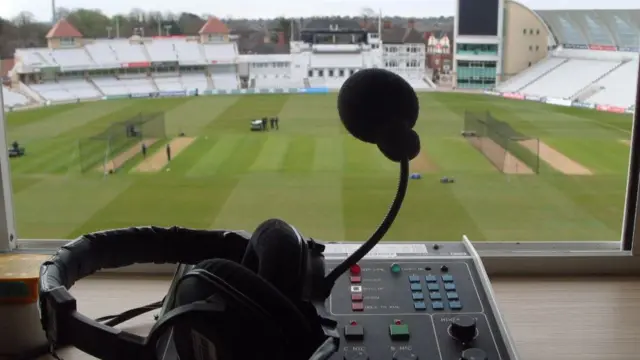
[{"x": 111, "y": 149}]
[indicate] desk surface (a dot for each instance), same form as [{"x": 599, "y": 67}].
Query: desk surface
[{"x": 550, "y": 319}]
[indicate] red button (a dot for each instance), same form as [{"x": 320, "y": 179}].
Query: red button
[
  {"x": 358, "y": 306},
  {"x": 356, "y": 279},
  {"x": 356, "y": 297},
  {"x": 355, "y": 269}
]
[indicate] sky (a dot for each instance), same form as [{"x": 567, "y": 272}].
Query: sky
[{"x": 273, "y": 8}]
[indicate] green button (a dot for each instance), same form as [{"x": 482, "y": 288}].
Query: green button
[
  {"x": 395, "y": 268},
  {"x": 399, "y": 332}
]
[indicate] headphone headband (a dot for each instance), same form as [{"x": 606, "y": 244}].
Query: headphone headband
[{"x": 113, "y": 249}]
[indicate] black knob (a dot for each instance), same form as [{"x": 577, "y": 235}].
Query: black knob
[
  {"x": 474, "y": 354},
  {"x": 463, "y": 328},
  {"x": 404, "y": 355},
  {"x": 355, "y": 355},
  {"x": 444, "y": 268}
]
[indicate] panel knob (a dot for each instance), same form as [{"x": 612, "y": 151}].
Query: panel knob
[
  {"x": 463, "y": 328},
  {"x": 404, "y": 355},
  {"x": 474, "y": 354},
  {"x": 355, "y": 355}
]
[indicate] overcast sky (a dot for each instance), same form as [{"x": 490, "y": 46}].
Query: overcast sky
[{"x": 272, "y": 8}]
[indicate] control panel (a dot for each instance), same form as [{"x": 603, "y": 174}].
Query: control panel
[
  {"x": 410, "y": 301},
  {"x": 417, "y": 301}
]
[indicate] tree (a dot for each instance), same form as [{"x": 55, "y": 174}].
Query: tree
[
  {"x": 23, "y": 18},
  {"x": 90, "y": 23},
  {"x": 190, "y": 23}
]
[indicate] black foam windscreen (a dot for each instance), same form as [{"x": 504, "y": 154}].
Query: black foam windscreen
[
  {"x": 274, "y": 253},
  {"x": 380, "y": 107}
]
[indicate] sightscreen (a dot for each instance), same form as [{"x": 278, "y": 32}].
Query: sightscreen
[{"x": 478, "y": 17}]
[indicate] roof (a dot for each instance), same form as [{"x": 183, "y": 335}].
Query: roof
[
  {"x": 619, "y": 28},
  {"x": 63, "y": 29},
  {"x": 326, "y": 24},
  {"x": 214, "y": 26},
  {"x": 5, "y": 66},
  {"x": 401, "y": 36}
]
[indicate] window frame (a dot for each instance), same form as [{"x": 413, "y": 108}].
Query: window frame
[{"x": 500, "y": 258}]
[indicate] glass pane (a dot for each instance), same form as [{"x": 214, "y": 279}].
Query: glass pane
[
  {"x": 571, "y": 33},
  {"x": 552, "y": 168}
]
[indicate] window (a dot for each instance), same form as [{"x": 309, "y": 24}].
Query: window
[
  {"x": 570, "y": 33},
  {"x": 537, "y": 47},
  {"x": 310, "y": 73},
  {"x": 628, "y": 37},
  {"x": 512, "y": 218},
  {"x": 598, "y": 34},
  {"x": 330, "y": 73},
  {"x": 341, "y": 72},
  {"x": 530, "y": 31},
  {"x": 530, "y": 48},
  {"x": 67, "y": 42},
  {"x": 537, "y": 31},
  {"x": 524, "y": 31},
  {"x": 529, "y": 63}
]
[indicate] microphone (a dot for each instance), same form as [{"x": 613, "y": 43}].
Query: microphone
[{"x": 379, "y": 107}]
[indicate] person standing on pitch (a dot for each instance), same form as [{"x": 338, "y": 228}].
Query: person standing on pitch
[
  {"x": 277, "y": 122},
  {"x": 272, "y": 122},
  {"x": 168, "y": 152},
  {"x": 144, "y": 150}
]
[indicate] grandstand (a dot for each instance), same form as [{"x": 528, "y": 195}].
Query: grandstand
[
  {"x": 593, "y": 60},
  {"x": 74, "y": 69}
]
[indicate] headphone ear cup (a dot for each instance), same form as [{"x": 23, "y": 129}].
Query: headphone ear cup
[
  {"x": 259, "y": 292},
  {"x": 272, "y": 241}
]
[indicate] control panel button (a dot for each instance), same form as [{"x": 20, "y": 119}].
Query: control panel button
[
  {"x": 463, "y": 328},
  {"x": 357, "y": 297},
  {"x": 416, "y": 287},
  {"x": 417, "y": 296},
  {"x": 444, "y": 268},
  {"x": 354, "y": 332},
  {"x": 435, "y": 296},
  {"x": 355, "y": 279},
  {"x": 399, "y": 331},
  {"x": 355, "y": 269},
  {"x": 414, "y": 279},
  {"x": 404, "y": 355},
  {"x": 430, "y": 278},
  {"x": 447, "y": 278},
  {"x": 357, "y": 306},
  {"x": 474, "y": 354},
  {"x": 455, "y": 305},
  {"x": 452, "y": 295},
  {"x": 437, "y": 305},
  {"x": 395, "y": 268},
  {"x": 433, "y": 287},
  {"x": 420, "y": 305},
  {"x": 449, "y": 286},
  {"x": 355, "y": 355}
]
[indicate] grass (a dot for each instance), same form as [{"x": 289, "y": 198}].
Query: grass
[{"x": 316, "y": 176}]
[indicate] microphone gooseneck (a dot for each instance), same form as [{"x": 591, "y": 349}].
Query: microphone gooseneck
[{"x": 379, "y": 107}]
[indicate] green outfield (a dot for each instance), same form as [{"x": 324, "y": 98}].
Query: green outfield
[{"x": 313, "y": 174}]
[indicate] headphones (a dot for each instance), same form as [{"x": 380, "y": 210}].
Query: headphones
[
  {"x": 247, "y": 297},
  {"x": 250, "y": 296}
]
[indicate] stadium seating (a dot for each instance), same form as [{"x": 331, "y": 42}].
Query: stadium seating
[
  {"x": 617, "y": 88},
  {"x": 127, "y": 52},
  {"x": 591, "y": 76},
  {"x": 12, "y": 98},
  {"x": 161, "y": 51},
  {"x": 195, "y": 81}
]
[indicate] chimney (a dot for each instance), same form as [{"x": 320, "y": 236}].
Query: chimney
[
  {"x": 387, "y": 24},
  {"x": 281, "y": 38},
  {"x": 411, "y": 23}
]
